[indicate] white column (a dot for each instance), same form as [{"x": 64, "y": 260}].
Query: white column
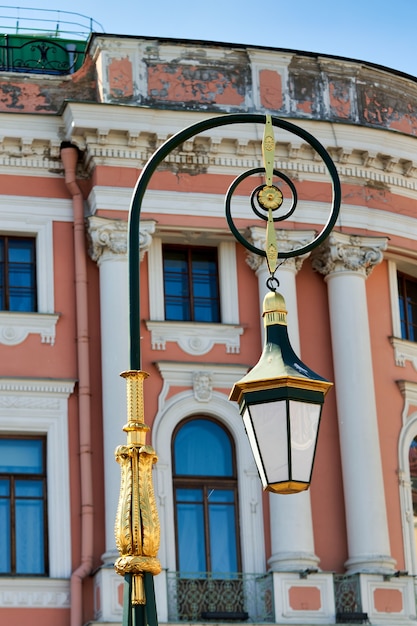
[
  {"x": 108, "y": 248},
  {"x": 292, "y": 540},
  {"x": 346, "y": 261}
]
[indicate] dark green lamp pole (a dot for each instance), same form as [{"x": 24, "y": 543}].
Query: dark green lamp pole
[{"x": 280, "y": 390}]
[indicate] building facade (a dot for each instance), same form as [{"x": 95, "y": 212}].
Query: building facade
[{"x": 72, "y": 148}]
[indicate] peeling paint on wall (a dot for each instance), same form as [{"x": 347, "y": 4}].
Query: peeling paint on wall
[
  {"x": 340, "y": 101},
  {"x": 382, "y": 106},
  {"x": 120, "y": 78},
  {"x": 191, "y": 83},
  {"x": 304, "y": 92},
  {"x": 23, "y": 97},
  {"x": 270, "y": 86},
  {"x": 37, "y": 94}
]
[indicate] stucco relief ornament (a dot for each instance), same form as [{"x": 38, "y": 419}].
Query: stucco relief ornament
[
  {"x": 287, "y": 240},
  {"x": 106, "y": 236},
  {"x": 109, "y": 237},
  {"x": 203, "y": 386},
  {"x": 353, "y": 253}
]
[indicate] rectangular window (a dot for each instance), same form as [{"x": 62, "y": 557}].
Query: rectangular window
[
  {"x": 17, "y": 274},
  {"x": 191, "y": 284},
  {"x": 407, "y": 294},
  {"x": 23, "y": 532}
]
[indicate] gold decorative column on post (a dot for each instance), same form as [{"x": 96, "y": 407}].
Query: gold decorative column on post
[{"x": 137, "y": 528}]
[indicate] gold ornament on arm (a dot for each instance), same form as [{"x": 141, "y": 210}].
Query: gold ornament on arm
[
  {"x": 268, "y": 150},
  {"x": 137, "y": 528},
  {"x": 270, "y": 197}
]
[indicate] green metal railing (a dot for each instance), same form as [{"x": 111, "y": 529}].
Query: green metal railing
[
  {"x": 40, "y": 55},
  {"x": 46, "y": 22},
  {"x": 205, "y": 596}
]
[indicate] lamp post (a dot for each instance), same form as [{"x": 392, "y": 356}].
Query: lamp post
[{"x": 280, "y": 398}]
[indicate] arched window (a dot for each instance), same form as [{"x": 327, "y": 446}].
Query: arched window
[{"x": 205, "y": 497}]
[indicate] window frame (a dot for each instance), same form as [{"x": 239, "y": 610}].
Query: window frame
[
  {"x": 405, "y": 325},
  {"x": 6, "y": 239},
  {"x": 191, "y": 299},
  {"x": 195, "y": 338},
  {"x": 13, "y": 498},
  {"x": 188, "y": 481},
  {"x": 36, "y": 222},
  {"x": 404, "y": 350}
]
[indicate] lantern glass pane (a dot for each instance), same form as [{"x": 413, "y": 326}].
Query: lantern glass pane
[
  {"x": 304, "y": 419},
  {"x": 267, "y": 433}
]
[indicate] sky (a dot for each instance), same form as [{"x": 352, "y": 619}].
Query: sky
[{"x": 377, "y": 31}]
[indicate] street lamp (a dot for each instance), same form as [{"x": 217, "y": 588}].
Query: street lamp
[
  {"x": 280, "y": 398},
  {"x": 280, "y": 401}
]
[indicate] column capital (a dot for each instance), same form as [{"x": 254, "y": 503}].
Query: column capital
[
  {"x": 108, "y": 237},
  {"x": 342, "y": 252},
  {"x": 288, "y": 240}
]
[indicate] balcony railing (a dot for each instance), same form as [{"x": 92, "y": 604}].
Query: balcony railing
[
  {"x": 348, "y": 600},
  {"x": 40, "y": 55},
  {"x": 204, "y": 596},
  {"x": 46, "y": 22},
  {"x": 43, "y": 41}
]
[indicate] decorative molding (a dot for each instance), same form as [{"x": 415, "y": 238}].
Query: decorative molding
[
  {"x": 108, "y": 238},
  {"x": 209, "y": 376},
  {"x": 202, "y": 386},
  {"x": 31, "y": 213},
  {"x": 15, "y": 327},
  {"x": 159, "y": 202},
  {"x": 56, "y": 387},
  {"x": 370, "y": 584},
  {"x": 404, "y": 351},
  {"x": 287, "y": 583},
  {"x": 409, "y": 393},
  {"x": 34, "y": 593},
  {"x": 195, "y": 338},
  {"x": 348, "y": 253},
  {"x": 287, "y": 240}
]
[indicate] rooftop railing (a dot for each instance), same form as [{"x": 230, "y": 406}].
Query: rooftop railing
[
  {"x": 46, "y": 23},
  {"x": 43, "y": 41}
]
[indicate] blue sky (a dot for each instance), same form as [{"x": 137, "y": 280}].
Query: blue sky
[{"x": 379, "y": 31}]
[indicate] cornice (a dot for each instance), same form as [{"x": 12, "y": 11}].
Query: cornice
[
  {"x": 119, "y": 136},
  {"x": 30, "y": 386},
  {"x": 34, "y": 593},
  {"x": 158, "y": 202}
]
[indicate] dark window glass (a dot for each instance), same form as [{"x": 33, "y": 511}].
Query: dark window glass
[
  {"x": 23, "y": 533},
  {"x": 407, "y": 292},
  {"x": 191, "y": 284},
  {"x": 205, "y": 488},
  {"x": 17, "y": 274}
]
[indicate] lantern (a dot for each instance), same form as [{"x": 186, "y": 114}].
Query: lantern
[{"x": 280, "y": 401}]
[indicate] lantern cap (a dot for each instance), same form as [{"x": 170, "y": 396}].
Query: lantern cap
[
  {"x": 274, "y": 309},
  {"x": 278, "y": 365}
]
